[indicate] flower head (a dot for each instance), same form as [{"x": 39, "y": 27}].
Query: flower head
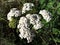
[
  {"x": 27, "y": 7},
  {"x": 24, "y": 29},
  {"x": 46, "y": 15},
  {"x": 35, "y": 20},
  {"x": 13, "y": 13}
]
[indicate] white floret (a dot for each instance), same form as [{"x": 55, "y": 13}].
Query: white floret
[
  {"x": 46, "y": 15},
  {"x": 13, "y": 12},
  {"x": 27, "y": 7},
  {"x": 24, "y": 29},
  {"x": 34, "y": 18},
  {"x": 35, "y": 21}
]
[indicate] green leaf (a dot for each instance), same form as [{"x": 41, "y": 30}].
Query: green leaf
[
  {"x": 58, "y": 10},
  {"x": 55, "y": 31},
  {"x": 12, "y": 24},
  {"x": 41, "y": 1},
  {"x": 50, "y": 5},
  {"x": 57, "y": 40}
]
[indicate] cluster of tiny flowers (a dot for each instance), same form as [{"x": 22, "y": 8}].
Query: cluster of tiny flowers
[
  {"x": 27, "y": 7},
  {"x": 13, "y": 13},
  {"x": 26, "y": 21},
  {"x": 24, "y": 29},
  {"x": 35, "y": 20},
  {"x": 46, "y": 15}
]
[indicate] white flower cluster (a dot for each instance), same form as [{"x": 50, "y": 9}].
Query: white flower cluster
[
  {"x": 27, "y": 7},
  {"x": 24, "y": 29},
  {"x": 35, "y": 20},
  {"x": 24, "y": 22},
  {"x": 13, "y": 12},
  {"x": 46, "y": 15}
]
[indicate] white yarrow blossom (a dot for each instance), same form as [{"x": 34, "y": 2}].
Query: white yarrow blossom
[
  {"x": 24, "y": 29},
  {"x": 46, "y": 15},
  {"x": 27, "y": 7},
  {"x": 13, "y": 12},
  {"x": 35, "y": 20}
]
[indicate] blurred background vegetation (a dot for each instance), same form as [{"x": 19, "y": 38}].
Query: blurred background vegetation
[{"x": 48, "y": 35}]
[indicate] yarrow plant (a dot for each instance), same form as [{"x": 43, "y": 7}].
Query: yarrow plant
[{"x": 26, "y": 21}]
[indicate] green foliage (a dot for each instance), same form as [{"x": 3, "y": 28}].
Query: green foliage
[
  {"x": 58, "y": 10},
  {"x": 12, "y": 24},
  {"x": 56, "y": 31},
  {"x": 57, "y": 40},
  {"x": 41, "y": 1}
]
